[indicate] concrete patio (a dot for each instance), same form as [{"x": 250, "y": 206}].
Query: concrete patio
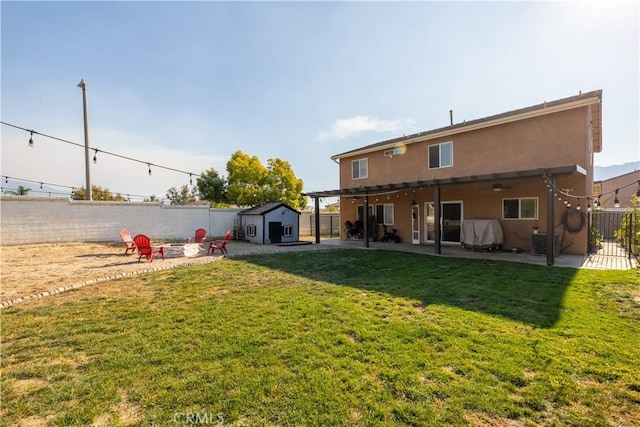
[{"x": 563, "y": 260}]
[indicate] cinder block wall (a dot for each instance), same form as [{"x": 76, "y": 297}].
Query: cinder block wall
[{"x": 26, "y": 220}]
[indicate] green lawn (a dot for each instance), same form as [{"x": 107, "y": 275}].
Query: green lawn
[{"x": 340, "y": 337}]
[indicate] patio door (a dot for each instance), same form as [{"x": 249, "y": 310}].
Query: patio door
[
  {"x": 450, "y": 222},
  {"x": 415, "y": 224}
]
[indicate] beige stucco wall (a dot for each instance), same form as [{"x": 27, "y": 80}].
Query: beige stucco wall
[
  {"x": 608, "y": 187},
  {"x": 554, "y": 140}
]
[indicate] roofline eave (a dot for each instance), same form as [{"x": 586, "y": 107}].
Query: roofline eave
[{"x": 499, "y": 119}]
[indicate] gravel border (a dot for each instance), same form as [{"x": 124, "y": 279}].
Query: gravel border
[{"x": 12, "y": 302}]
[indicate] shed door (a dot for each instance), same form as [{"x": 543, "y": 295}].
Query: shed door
[{"x": 275, "y": 232}]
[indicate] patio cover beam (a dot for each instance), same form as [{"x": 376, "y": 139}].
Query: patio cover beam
[
  {"x": 437, "y": 183},
  {"x": 375, "y": 189}
]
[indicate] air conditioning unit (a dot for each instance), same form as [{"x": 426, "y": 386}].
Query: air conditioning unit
[{"x": 539, "y": 244}]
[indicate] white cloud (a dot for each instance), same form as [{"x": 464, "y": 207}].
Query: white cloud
[{"x": 344, "y": 128}]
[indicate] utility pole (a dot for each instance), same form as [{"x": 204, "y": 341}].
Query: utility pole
[{"x": 83, "y": 85}]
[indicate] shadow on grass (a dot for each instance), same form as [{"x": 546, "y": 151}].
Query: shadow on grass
[{"x": 526, "y": 293}]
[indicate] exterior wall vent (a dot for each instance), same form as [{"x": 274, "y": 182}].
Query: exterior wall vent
[{"x": 394, "y": 152}]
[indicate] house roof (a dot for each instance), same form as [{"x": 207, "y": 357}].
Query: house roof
[
  {"x": 621, "y": 176},
  {"x": 392, "y": 187},
  {"x": 266, "y": 208},
  {"x": 593, "y": 98}
]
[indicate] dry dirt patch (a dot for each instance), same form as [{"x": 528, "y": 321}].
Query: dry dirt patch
[{"x": 32, "y": 269}]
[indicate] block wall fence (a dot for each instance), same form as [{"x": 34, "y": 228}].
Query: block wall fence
[{"x": 25, "y": 220}]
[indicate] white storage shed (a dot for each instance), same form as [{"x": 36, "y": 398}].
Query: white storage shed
[{"x": 271, "y": 223}]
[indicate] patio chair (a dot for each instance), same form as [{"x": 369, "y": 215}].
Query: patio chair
[
  {"x": 126, "y": 238},
  {"x": 220, "y": 244},
  {"x": 145, "y": 249},
  {"x": 199, "y": 237}
]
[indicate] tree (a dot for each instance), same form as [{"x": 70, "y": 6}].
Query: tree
[
  {"x": 250, "y": 183},
  {"x": 283, "y": 186},
  {"x": 246, "y": 180},
  {"x": 183, "y": 197},
  {"x": 20, "y": 191},
  {"x": 97, "y": 193},
  {"x": 212, "y": 187}
]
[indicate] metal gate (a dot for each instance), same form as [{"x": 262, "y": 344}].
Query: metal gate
[{"x": 613, "y": 233}]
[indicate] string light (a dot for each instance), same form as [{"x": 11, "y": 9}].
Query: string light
[
  {"x": 149, "y": 164},
  {"x": 32, "y": 132},
  {"x": 190, "y": 180},
  {"x": 560, "y": 193},
  {"x": 95, "y": 156}
]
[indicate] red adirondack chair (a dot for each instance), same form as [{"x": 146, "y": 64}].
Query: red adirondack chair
[
  {"x": 126, "y": 238},
  {"x": 220, "y": 244},
  {"x": 145, "y": 249},
  {"x": 200, "y": 235}
]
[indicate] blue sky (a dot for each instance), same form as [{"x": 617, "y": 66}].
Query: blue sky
[{"x": 186, "y": 84}]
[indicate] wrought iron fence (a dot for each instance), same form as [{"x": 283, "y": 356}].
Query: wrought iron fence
[{"x": 615, "y": 233}]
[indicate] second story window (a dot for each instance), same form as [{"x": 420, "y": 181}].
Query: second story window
[
  {"x": 359, "y": 169},
  {"x": 441, "y": 155}
]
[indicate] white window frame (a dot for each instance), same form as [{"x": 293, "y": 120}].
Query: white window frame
[
  {"x": 439, "y": 145},
  {"x": 520, "y": 200},
  {"x": 360, "y": 162},
  {"x": 388, "y": 214},
  {"x": 251, "y": 230},
  {"x": 287, "y": 230}
]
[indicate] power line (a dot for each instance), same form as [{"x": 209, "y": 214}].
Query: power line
[
  {"x": 50, "y": 193},
  {"x": 5, "y": 181}
]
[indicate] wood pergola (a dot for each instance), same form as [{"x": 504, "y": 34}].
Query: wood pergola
[{"x": 437, "y": 184}]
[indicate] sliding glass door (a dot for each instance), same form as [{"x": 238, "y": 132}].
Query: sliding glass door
[{"x": 450, "y": 222}]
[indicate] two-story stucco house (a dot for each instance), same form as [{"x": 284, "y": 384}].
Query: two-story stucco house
[{"x": 523, "y": 169}]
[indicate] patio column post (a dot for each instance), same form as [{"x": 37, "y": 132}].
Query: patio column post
[
  {"x": 316, "y": 201},
  {"x": 437, "y": 214},
  {"x": 366, "y": 221},
  {"x": 550, "y": 224}
]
